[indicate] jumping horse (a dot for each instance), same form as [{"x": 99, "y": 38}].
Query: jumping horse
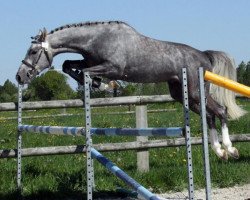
[{"x": 117, "y": 51}]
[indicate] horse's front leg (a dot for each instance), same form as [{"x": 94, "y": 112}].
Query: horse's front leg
[
  {"x": 72, "y": 68},
  {"x": 75, "y": 68},
  {"x": 232, "y": 151},
  {"x": 101, "y": 70}
]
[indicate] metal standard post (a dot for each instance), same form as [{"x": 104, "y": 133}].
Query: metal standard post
[
  {"x": 19, "y": 139},
  {"x": 204, "y": 135},
  {"x": 187, "y": 134},
  {"x": 142, "y": 155},
  {"x": 90, "y": 170}
]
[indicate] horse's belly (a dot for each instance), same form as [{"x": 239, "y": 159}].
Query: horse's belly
[{"x": 147, "y": 75}]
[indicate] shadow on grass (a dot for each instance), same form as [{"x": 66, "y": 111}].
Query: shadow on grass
[
  {"x": 66, "y": 189},
  {"x": 242, "y": 158},
  {"x": 71, "y": 195}
]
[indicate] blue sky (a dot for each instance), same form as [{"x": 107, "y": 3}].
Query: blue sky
[{"x": 215, "y": 24}]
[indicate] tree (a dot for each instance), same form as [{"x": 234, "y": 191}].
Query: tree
[
  {"x": 49, "y": 86},
  {"x": 8, "y": 92},
  {"x": 240, "y": 72},
  {"x": 243, "y": 73},
  {"x": 246, "y": 76},
  {"x": 129, "y": 90}
]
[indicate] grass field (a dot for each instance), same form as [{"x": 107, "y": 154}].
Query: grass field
[{"x": 64, "y": 177}]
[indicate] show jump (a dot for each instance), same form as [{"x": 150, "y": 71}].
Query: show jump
[{"x": 117, "y": 51}]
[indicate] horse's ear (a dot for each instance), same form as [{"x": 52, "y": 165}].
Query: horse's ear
[
  {"x": 45, "y": 32},
  {"x": 42, "y": 35}
]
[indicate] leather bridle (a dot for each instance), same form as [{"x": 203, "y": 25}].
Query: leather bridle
[{"x": 34, "y": 65}]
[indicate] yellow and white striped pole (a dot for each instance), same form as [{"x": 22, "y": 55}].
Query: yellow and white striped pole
[{"x": 227, "y": 83}]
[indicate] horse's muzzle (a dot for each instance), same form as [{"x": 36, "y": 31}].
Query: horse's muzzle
[{"x": 19, "y": 80}]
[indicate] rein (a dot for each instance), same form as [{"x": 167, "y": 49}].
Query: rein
[{"x": 34, "y": 66}]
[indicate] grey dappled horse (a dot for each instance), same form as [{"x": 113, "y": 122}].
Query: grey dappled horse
[{"x": 117, "y": 51}]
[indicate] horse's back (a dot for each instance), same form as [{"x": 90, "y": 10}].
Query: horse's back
[{"x": 143, "y": 59}]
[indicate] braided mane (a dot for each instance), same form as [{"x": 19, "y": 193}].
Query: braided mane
[{"x": 84, "y": 24}]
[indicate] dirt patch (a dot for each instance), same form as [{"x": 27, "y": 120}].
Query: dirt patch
[{"x": 232, "y": 193}]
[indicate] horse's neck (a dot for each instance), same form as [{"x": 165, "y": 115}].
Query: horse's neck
[{"x": 71, "y": 40}]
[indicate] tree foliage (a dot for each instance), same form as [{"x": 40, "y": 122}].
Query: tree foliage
[
  {"x": 140, "y": 89},
  {"x": 49, "y": 86},
  {"x": 243, "y": 73},
  {"x": 8, "y": 92}
]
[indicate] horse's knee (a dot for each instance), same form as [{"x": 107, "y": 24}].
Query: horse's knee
[
  {"x": 66, "y": 63},
  {"x": 66, "y": 66},
  {"x": 96, "y": 82}
]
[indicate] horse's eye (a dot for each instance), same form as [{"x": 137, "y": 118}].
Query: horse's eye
[{"x": 33, "y": 52}]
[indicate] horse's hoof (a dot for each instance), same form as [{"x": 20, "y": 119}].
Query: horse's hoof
[
  {"x": 224, "y": 155},
  {"x": 234, "y": 153}
]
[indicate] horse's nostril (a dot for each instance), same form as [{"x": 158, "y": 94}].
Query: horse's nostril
[{"x": 18, "y": 78}]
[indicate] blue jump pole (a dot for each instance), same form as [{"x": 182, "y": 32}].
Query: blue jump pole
[
  {"x": 169, "y": 132},
  {"x": 123, "y": 176},
  {"x": 62, "y": 130}
]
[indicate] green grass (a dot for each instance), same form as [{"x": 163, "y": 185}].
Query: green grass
[{"x": 64, "y": 177}]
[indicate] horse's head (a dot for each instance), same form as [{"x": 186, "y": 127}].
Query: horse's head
[{"x": 38, "y": 58}]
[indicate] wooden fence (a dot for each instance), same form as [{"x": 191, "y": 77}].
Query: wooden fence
[
  {"x": 136, "y": 100},
  {"x": 125, "y": 146},
  {"x": 73, "y": 103},
  {"x": 141, "y": 145}
]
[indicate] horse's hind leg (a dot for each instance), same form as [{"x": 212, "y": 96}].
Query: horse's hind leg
[
  {"x": 220, "y": 112},
  {"x": 227, "y": 144},
  {"x": 213, "y": 109},
  {"x": 214, "y": 140},
  {"x": 175, "y": 89}
]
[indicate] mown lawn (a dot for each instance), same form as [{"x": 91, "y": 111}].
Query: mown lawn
[{"x": 64, "y": 177}]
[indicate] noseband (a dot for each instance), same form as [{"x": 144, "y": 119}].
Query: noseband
[{"x": 34, "y": 66}]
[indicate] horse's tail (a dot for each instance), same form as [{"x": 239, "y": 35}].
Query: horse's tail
[{"x": 225, "y": 66}]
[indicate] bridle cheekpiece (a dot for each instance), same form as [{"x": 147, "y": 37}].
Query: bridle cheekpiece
[{"x": 35, "y": 66}]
